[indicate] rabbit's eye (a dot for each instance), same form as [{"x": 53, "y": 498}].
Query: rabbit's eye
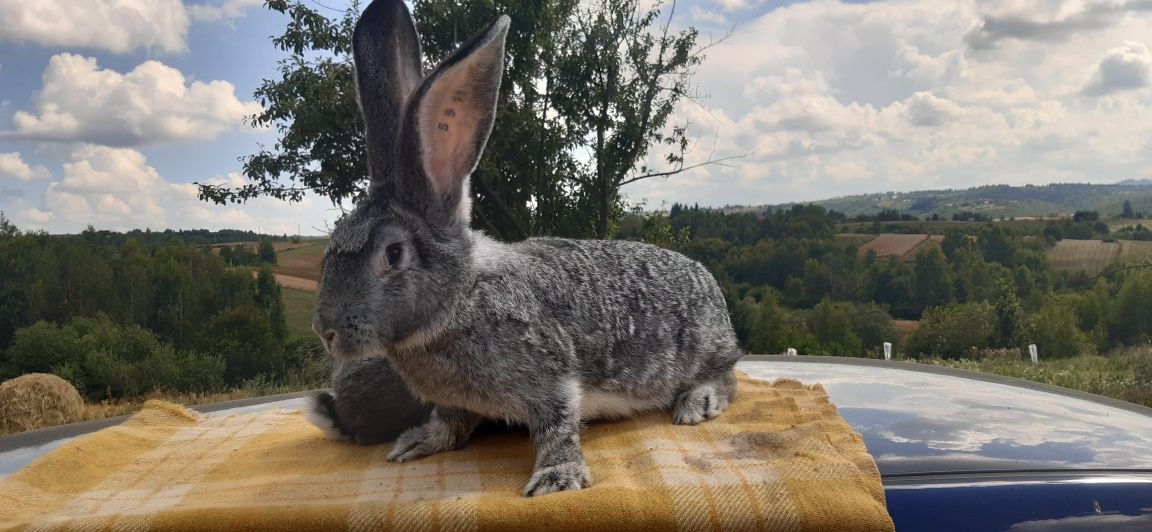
[{"x": 394, "y": 253}]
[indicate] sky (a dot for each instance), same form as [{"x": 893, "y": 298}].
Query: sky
[{"x": 110, "y": 109}]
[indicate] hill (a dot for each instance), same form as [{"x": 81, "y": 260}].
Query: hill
[{"x": 998, "y": 201}]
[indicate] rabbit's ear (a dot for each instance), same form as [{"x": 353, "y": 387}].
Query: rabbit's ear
[
  {"x": 386, "y": 52},
  {"x": 450, "y": 117}
]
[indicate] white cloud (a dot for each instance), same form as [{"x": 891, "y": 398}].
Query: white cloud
[
  {"x": 1046, "y": 20},
  {"x": 224, "y": 10},
  {"x": 1127, "y": 67},
  {"x": 37, "y": 216},
  {"x": 79, "y": 101},
  {"x": 118, "y": 26},
  {"x": 706, "y": 15},
  {"x": 829, "y": 98},
  {"x": 13, "y": 166},
  {"x": 116, "y": 188}
]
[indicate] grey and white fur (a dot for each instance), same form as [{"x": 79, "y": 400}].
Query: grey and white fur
[
  {"x": 545, "y": 332},
  {"x": 369, "y": 404}
]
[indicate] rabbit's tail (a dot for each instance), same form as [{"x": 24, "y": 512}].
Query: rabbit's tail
[{"x": 321, "y": 412}]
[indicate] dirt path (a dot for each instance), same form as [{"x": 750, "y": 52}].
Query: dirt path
[{"x": 296, "y": 283}]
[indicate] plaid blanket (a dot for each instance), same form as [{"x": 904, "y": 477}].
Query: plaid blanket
[{"x": 779, "y": 458}]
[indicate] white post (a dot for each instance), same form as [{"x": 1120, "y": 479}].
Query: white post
[
  {"x": 1032, "y": 352},
  {"x": 887, "y": 350},
  {"x": 791, "y": 351}
]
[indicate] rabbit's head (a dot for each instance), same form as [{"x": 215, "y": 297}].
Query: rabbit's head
[{"x": 404, "y": 254}]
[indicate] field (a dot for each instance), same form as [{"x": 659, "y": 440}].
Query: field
[
  {"x": 1133, "y": 251},
  {"x": 897, "y": 245},
  {"x": 1088, "y": 256},
  {"x": 302, "y": 260},
  {"x": 298, "y": 308},
  {"x": 1095, "y": 256}
]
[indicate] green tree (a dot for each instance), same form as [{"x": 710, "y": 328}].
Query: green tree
[
  {"x": 621, "y": 75},
  {"x": 932, "y": 279},
  {"x": 1056, "y": 331},
  {"x": 267, "y": 252},
  {"x": 952, "y": 331},
  {"x": 1131, "y": 315},
  {"x": 268, "y": 299},
  {"x": 1011, "y": 324},
  {"x": 1127, "y": 212},
  {"x": 7, "y": 228},
  {"x": 831, "y": 327},
  {"x": 246, "y": 341},
  {"x": 602, "y": 81}
]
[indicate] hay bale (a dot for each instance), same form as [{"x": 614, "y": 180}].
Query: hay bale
[{"x": 38, "y": 400}]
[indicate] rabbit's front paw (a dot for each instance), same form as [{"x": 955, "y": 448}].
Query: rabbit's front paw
[
  {"x": 560, "y": 477},
  {"x": 417, "y": 442}
]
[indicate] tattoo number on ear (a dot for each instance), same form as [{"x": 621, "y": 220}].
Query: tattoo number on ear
[
  {"x": 442, "y": 126},
  {"x": 449, "y": 112}
]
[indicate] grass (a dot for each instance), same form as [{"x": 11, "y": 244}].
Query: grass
[
  {"x": 1133, "y": 251},
  {"x": 1124, "y": 375},
  {"x": 1095, "y": 256},
  {"x": 298, "y": 309},
  {"x": 1088, "y": 256},
  {"x": 302, "y": 261},
  {"x": 893, "y": 245}
]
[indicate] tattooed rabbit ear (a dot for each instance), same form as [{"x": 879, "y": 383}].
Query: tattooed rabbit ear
[
  {"x": 451, "y": 117},
  {"x": 386, "y": 52}
]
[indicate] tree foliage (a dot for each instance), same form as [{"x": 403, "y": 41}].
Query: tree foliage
[
  {"x": 118, "y": 318},
  {"x": 599, "y": 79}
]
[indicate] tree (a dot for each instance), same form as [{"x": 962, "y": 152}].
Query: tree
[
  {"x": 268, "y": 299},
  {"x": 1011, "y": 326},
  {"x": 7, "y": 229},
  {"x": 520, "y": 188},
  {"x": 267, "y": 252},
  {"x": 621, "y": 77},
  {"x": 1131, "y": 320},
  {"x": 603, "y": 81},
  {"x": 1127, "y": 213},
  {"x": 953, "y": 331},
  {"x": 932, "y": 279}
]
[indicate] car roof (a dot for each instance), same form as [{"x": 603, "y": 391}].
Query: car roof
[
  {"x": 915, "y": 419},
  {"x": 918, "y": 419}
]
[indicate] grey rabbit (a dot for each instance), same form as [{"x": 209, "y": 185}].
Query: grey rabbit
[
  {"x": 369, "y": 404},
  {"x": 544, "y": 332}
]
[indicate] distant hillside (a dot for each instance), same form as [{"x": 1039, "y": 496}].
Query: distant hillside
[{"x": 1003, "y": 201}]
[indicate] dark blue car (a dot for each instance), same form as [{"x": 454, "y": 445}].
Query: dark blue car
[{"x": 957, "y": 450}]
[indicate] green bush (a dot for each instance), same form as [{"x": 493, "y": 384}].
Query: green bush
[
  {"x": 103, "y": 359},
  {"x": 1131, "y": 317},
  {"x": 246, "y": 341},
  {"x": 1056, "y": 333},
  {"x": 954, "y": 330}
]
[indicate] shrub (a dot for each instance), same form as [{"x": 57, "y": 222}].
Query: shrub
[
  {"x": 103, "y": 359},
  {"x": 244, "y": 339},
  {"x": 1056, "y": 333},
  {"x": 952, "y": 331}
]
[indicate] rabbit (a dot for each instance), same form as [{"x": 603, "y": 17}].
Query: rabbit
[
  {"x": 369, "y": 404},
  {"x": 544, "y": 333}
]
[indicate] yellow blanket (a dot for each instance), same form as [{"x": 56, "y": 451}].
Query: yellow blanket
[{"x": 780, "y": 458}]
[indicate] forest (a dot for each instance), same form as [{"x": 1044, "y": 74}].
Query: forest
[
  {"x": 119, "y": 316},
  {"x": 794, "y": 279}
]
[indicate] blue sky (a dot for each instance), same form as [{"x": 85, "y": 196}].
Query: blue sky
[{"x": 110, "y": 108}]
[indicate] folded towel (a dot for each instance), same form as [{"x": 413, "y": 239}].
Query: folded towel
[{"x": 780, "y": 457}]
